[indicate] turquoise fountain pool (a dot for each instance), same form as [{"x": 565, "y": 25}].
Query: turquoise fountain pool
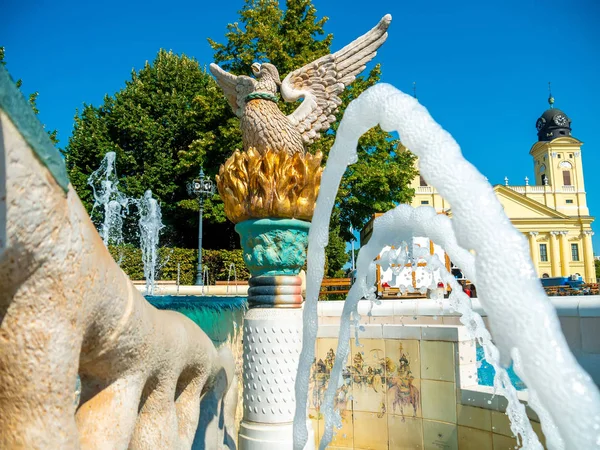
[
  {"x": 486, "y": 373},
  {"x": 219, "y": 317}
]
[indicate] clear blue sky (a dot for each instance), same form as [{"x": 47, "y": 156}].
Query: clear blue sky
[{"x": 481, "y": 67}]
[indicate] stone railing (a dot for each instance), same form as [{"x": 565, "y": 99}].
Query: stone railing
[
  {"x": 424, "y": 190},
  {"x": 67, "y": 309},
  {"x": 519, "y": 189},
  {"x": 540, "y": 189},
  {"x": 536, "y": 189}
]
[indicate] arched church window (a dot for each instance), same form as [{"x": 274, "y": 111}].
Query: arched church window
[
  {"x": 422, "y": 181},
  {"x": 544, "y": 179},
  {"x": 542, "y": 168},
  {"x": 567, "y": 178}
]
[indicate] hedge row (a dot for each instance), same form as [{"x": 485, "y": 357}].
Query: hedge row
[{"x": 217, "y": 262}]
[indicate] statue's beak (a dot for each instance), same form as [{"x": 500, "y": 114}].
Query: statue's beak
[{"x": 255, "y": 69}]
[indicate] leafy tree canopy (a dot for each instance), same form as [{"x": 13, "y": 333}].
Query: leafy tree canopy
[
  {"x": 168, "y": 119},
  {"x": 291, "y": 38},
  {"x": 288, "y": 39},
  {"x": 171, "y": 117}
]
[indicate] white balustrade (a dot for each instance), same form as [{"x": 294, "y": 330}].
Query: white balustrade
[
  {"x": 536, "y": 189},
  {"x": 519, "y": 189},
  {"x": 424, "y": 190}
]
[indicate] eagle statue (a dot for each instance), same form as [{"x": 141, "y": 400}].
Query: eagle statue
[{"x": 319, "y": 84}]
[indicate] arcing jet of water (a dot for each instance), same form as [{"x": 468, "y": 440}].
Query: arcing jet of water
[{"x": 524, "y": 323}]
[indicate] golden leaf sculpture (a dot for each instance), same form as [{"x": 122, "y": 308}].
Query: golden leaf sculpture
[{"x": 271, "y": 184}]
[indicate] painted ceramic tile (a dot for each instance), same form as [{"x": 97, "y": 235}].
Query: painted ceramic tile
[
  {"x": 320, "y": 375},
  {"x": 471, "y": 439},
  {"x": 368, "y": 375},
  {"x": 368, "y": 394},
  {"x": 344, "y": 437},
  {"x": 501, "y": 442},
  {"x": 538, "y": 430},
  {"x": 439, "y": 400},
  {"x": 313, "y": 415},
  {"x": 400, "y": 352},
  {"x": 501, "y": 423},
  {"x": 404, "y": 396},
  {"x": 403, "y": 373},
  {"x": 437, "y": 360},
  {"x": 472, "y": 417},
  {"x": 405, "y": 433},
  {"x": 439, "y": 435},
  {"x": 370, "y": 431},
  {"x": 371, "y": 350}
]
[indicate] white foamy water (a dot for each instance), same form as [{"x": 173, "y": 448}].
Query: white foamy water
[
  {"x": 150, "y": 225},
  {"x": 523, "y": 322},
  {"x": 105, "y": 186},
  {"x": 404, "y": 223}
]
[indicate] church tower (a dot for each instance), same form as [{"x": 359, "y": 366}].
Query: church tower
[
  {"x": 561, "y": 245},
  {"x": 551, "y": 208},
  {"x": 557, "y": 163}
]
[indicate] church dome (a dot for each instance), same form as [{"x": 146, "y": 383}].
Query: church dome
[{"x": 553, "y": 124}]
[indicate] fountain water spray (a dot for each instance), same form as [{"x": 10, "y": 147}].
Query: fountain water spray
[
  {"x": 523, "y": 321},
  {"x": 150, "y": 225},
  {"x": 105, "y": 187},
  {"x": 232, "y": 266}
]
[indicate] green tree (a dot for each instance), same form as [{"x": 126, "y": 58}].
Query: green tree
[
  {"x": 288, "y": 39},
  {"x": 597, "y": 265},
  {"x": 168, "y": 119},
  {"x": 291, "y": 38},
  {"x": 32, "y": 98},
  {"x": 335, "y": 252},
  {"x": 171, "y": 117}
]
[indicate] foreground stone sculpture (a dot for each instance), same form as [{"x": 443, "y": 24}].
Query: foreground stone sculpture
[
  {"x": 66, "y": 308},
  {"x": 269, "y": 191}
]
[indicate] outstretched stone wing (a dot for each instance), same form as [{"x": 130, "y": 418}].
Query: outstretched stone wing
[
  {"x": 236, "y": 88},
  {"x": 321, "y": 82}
]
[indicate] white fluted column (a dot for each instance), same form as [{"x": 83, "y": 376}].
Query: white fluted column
[
  {"x": 564, "y": 253},
  {"x": 555, "y": 254},
  {"x": 588, "y": 257},
  {"x": 534, "y": 250}
]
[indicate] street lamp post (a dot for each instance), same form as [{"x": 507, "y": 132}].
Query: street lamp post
[
  {"x": 202, "y": 186},
  {"x": 352, "y": 243}
]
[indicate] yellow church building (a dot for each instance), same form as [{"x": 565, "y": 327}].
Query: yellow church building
[{"x": 551, "y": 208}]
